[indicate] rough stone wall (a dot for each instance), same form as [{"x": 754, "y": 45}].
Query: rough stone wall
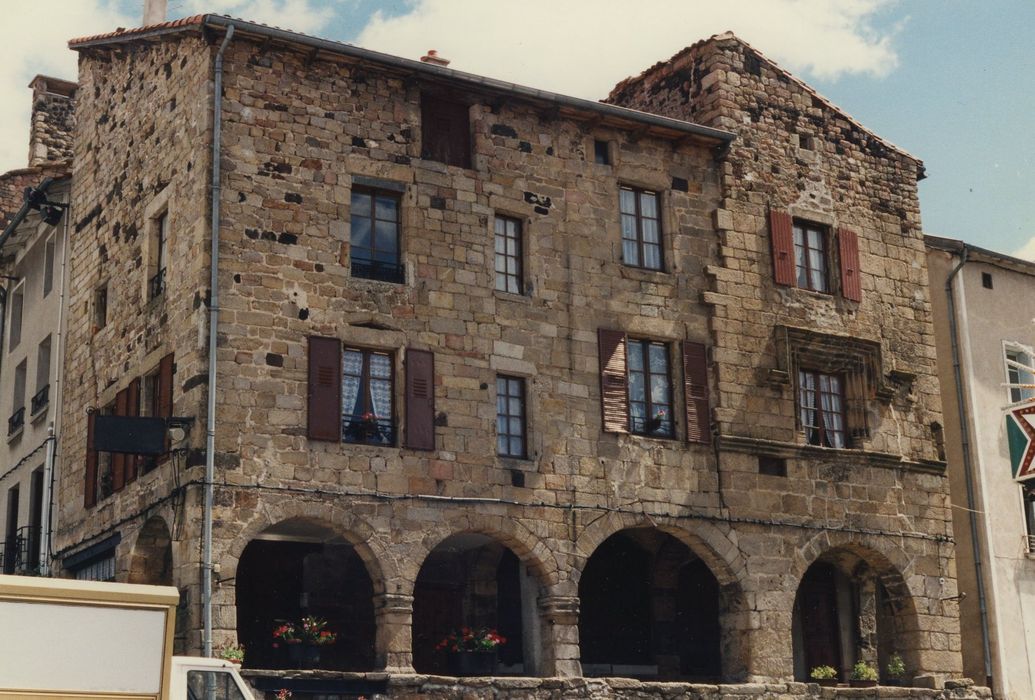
[
  {"x": 797, "y": 153},
  {"x": 52, "y": 121},
  {"x": 297, "y": 130},
  {"x": 140, "y": 149}
]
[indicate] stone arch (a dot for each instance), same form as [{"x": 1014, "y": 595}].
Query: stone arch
[
  {"x": 352, "y": 528},
  {"x": 874, "y": 576},
  {"x": 704, "y": 543},
  {"x": 151, "y": 559}
]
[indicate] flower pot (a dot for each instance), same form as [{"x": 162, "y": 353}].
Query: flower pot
[
  {"x": 855, "y": 683},
  {"x": 826, "y": 682},
  {"x": 473, "y": 663},
  {"x": 304, "y": 655}
]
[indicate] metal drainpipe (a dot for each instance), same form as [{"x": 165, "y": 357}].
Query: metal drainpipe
[
  {"x": 213, "y": 326},
  {"x": 968, "y": 474}
]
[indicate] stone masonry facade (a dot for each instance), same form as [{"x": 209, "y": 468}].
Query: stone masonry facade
[{"x": 302, "y": 128}]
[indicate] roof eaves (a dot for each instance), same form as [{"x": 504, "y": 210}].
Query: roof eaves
[
  {"x": 979, "y": 254},
  {"x": 121, "y": 35}
]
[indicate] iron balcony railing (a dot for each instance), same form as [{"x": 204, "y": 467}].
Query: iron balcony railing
[
  {"x": 1029, "y": 544},
  {"x": 371, "y": 431},
  {"x": 40, "y": 400},
  {"x": 380, "y": 271},
  {"x": 156, "y": 285},
  {"x": 21, "y": 551},
  {"x": 16, "y": 421}
]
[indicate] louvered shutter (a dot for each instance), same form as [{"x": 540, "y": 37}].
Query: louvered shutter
[
  {"x": 118, "y": 460},
  {"x": 166, "y": 368},
  {"x": 695, "y": 382},
  {"x": 781, "y": 238},
  {"x": 614, "y": 387},
  {"x": 133, "y": 409},
  {"x": 90, "y": 485},
  {"x": 420, "y": 399},
  {"x": 851, "y": 284},
  {"x": 323, "y": 417}
]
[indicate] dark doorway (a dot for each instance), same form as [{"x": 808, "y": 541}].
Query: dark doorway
[
  {"x": 649, "y": 608},
  {"x": 816, "y": 609},
  {"x": 470, "y": 580},
  {"x": 300, "y": 569}
]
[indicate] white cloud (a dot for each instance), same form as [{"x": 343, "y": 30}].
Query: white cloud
[
  {"x": 34, "y": 40},
  {"x": 296, "y": 15},
  {"x": 584, "y": 47},
  {"x": 1026, "y": 251}
]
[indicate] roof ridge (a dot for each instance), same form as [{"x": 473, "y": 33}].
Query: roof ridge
[{"x": 122, "y": 31}]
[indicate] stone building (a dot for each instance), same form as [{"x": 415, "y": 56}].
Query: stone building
[
  {"x": 491, "y": 356},
  {"x": 985, "y": 343},
  {"x": 32, "y": 262}
]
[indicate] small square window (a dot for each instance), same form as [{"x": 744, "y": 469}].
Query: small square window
[
  {"x": 821, "y": 406},
  {"x": 772, "y": 466},
  {"x": 601, "y": 152},
  {"x": 811, "y": 257},
  {"x": 641, "y": 228},
  {"x": 508, "y": 255},
  {"x": 510, "y": 417},
  {"x": 367, "y": 389},
  {"x": 986, "y": 280},
  {"x": 374, "y": 237},
  {"x": 650, "y": 389}
]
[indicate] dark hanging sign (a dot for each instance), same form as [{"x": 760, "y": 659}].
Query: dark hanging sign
[{"x": 135, "y": 435}]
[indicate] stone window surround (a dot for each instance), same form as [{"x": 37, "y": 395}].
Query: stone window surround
[
  {"x": 406, "y": 213},
  {"x": 830, "y": 222},
  {"x": 523, "y": 416},
  {"x": 523, "y": 224},
  {"x": 153, "y": 213},
  {"x": 639, "y": 217}
]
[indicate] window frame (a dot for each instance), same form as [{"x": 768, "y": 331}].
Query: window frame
[
  {"x": 1015, "y": 375},
  {"x": 14, "y": 330},
  {"x": 645, "y": 344},
  {"x": 639, "y": 217},
  {"x": 351, "y": 433},
  {"x": 49, "y": 260},
  {"x": 518, "y": 277},
  {"x": 100, "y": 306},
  {"x": 804, "y": 226},
  {"x": 396, "y": 273},
  {"x": 822, "y": 437},
  {"x": 157, "y": 269},
  {"x": 507, "y": 416}
]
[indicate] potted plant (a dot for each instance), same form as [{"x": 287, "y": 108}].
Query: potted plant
[
  {"x": 824, "y": 675},
  {"x": 303, "y": 640},
  {"x": 232, "y": 653},
  {"x": 863, "y": 675},
  {"x": 473, "y": 651},
  {"x": 895, "y": 670}
]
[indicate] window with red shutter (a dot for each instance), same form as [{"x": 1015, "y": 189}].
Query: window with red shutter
[
  {"x": 166, "y": 368},
  {"x": 420, "y": 399},
  {"x": 781, "y": 239},
  {"x": 695, "y": 379},
  {"x": 324, "y": 418},
  {"x": 614, "y": 388},
  {"x": 118, "y": 460},
  {"x": 851, "y": 284},
  {"x": 133, "y": 462}
]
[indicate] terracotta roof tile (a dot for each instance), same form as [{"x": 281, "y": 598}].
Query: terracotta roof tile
[{"x": 122, "y": 32}]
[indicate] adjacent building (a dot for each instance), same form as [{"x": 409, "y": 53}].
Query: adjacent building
[
  {"x": 986, "y": 335},
  {"x": 647, "y": 385},
  {"x": 32, "y": 262}
]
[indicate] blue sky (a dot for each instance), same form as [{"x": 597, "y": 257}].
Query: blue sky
[{"x": 951, "y": 81}]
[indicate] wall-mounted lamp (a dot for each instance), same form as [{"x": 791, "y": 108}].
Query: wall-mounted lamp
[{"x": 50, "y": 211}]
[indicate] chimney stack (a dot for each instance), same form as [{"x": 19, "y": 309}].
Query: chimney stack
[
  {"x": 434, "y": 59},
  {"x": 154, "y": 12}
]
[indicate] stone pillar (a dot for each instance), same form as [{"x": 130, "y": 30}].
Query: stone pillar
[
  {"x": 560, "y": 620},
  {"x": 394, "y": 647},
  {"x": 531, "y": 623},
  {"x": 867, "y": 586}
]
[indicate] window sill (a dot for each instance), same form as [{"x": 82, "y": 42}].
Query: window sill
[
  {"x": 15, "y": 435},
  {"x": 511, "y": 297},
  {"x": 35, "y": 417},
  {"x": 525, "y": 464},
  {"x": 642, "y": 274}
]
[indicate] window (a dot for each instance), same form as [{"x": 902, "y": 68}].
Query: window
[
  {"x": 508, "y": 255},
  {"x": 641, "y": 228},
  {"x": 11, "y": 544},
  {"x": 100, "y": 307},
  {"x": 810, "y": 257},
  {"x": 1028, "y": 496},
  {"x": 986, "y": 280},
  {"x": 374, "y": 238},
  {"x": 17, "y": 302},
  {"x": 772, "y": 466},
  {"x": 17, "y": 419},
  {"x": 1018, "y": 372},
  {"x": 510, "y": 417},
  {"x": 650, "y": 389},
  {"x": 159, "y": 256},
  {"x": 48, "y": 265},
  {"x": 100, "y": 569},
  {"x": 821, "y": 408},
  {"x": 445, "y": 131},
  {"x": 366, "y": 388},
  {"x": 601, "y": 152},
  {"x": 41, "y": 395}
]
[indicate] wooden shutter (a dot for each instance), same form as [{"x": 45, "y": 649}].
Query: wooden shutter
[
  {"x": 133, "y": 409},
  {"x": 445, "y": 131},
  {"x": 851, "y": 285},
  {"x": 420, "y": 399},
  {"x": 90, "y": 485},
  {"x": 118, "y": 460},
  {"x": 165, "y": 386},
  {"x": 324, "y": 407},
  {"x": 614, "y": 386},
  {"x": 695, "y": 382},
  {"x": 781, "y": 238}
]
